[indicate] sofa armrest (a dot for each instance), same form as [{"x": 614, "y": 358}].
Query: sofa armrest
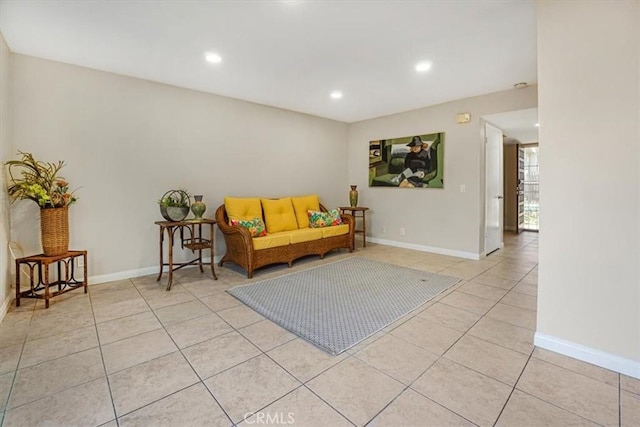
[
  {"x": 349, "y": 220},
  {"x": 235, "y": 232},
  {"x": 346, "y": 219}
]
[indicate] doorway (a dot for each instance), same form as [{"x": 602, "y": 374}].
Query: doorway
[
  {"x": 531, "y": 188},
  {"x": 520, "y": 130}
]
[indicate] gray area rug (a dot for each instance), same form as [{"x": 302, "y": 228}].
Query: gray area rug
[{"x": 337, "y": 305}]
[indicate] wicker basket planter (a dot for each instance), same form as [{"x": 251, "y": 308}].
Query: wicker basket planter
[
  {"x": 174, "y": 205},
  {"x": 54, "y": 230},
  {"x": 174, "y": 213}
]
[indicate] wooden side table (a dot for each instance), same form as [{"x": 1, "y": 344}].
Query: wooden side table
[
  {"x": 363, "y": 214},
  {"x": 66, "y": 282},
  {"x": 194, "y": 240}
]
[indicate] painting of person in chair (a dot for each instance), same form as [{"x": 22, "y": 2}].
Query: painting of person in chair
[
  {"x": 419, "y": 158},
  {"x": 409, "y": 162}
]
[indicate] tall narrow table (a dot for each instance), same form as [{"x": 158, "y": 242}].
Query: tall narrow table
[
  {"x": 191, "y": 237},
  {"x": 354, "y": 211},
  {"x": 66, "y": 281}
]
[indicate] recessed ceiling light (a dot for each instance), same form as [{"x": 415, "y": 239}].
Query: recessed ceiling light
[
  {"x": 521, "y": 85},
  {"x": 537, "y": 125},
  {"x": 423, "y": 67},
  {"x": 336, "y": 94},
  {"x": 212, "y": 57}
]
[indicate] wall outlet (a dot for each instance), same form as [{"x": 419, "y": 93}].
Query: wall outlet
[
  {"x": 463, "y": 188},
  {"x": 403, "y": 231},
  {"x": 79, "y": 262}
]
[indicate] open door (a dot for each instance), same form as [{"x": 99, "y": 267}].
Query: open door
[
  {"x": 493, "y": 190},
  {"x": 520, "y": 190}
]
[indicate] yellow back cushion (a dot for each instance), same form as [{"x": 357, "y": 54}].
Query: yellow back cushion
[
  {"x": 303, "y": 204},
  {"x": 243, "y": 208},
  {"x": 278, "y": 215}
]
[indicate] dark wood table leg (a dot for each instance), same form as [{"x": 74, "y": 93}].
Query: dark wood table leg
[
  {"x": 364, "y": 229},
  {"x": 161, "y": 255},
  {"x": 47, "y": 295},
  {"x": 17, "y": 283},
  {"x": 170, "y": 231},
  {"x": 200, "y": 250},
  {"x": 213, "y": 271},
  {"x": 60, "y": 275},
  {"x": 86, "y": 277}
]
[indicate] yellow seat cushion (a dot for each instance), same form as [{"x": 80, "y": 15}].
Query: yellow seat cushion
[
  {"x": 335, "y": 230},
  {"x": 271, "y": 241},
  {"x": 279, "y": 215},
  {"x": 243, "y": 208},
  {"x": 303, "y": 204},
  {"x": 305, "y": 235}
]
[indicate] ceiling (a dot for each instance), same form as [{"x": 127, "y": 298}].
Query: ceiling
[
  {"x": 519, "y": 127},
  {"x": 292, "y": 54}
]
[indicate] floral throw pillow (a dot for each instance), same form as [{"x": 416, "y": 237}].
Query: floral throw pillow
[
  {"x": 319, "y": 219},
  {"x": 255, "y": 226}
]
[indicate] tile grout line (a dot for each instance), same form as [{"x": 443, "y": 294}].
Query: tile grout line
[
  {"x": 451, "y": 346},
  {"x": 513, "y": 388},
  {"x": 619, "y": 401},
  {"x": 304, "y": 383},
  {"x": 426, "y": 369},
  {"x": 15, "y": 371},
  {"x": 57, "y": 358},
  {"x": 201, "y": 380},
  {"x": 439, "y": 356},
  {"x": 262, "y": 352},
  {"x": 557, "y": 406},
  {"x": 553, "y": 403},
  {"x": 104, "y": 366},
  {"x": 469, "y": 329},
  {"x": 467, "y": 332},
  {"x": 406, "y": 386}
]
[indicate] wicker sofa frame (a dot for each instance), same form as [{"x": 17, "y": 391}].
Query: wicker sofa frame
[{"x": 240, "y": 245}]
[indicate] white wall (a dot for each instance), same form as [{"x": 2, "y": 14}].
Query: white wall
[
  {"x": 126, "y": 141},
  {"x": 589, "y": 100},
  {"x": 443, "y": 220},
  {"x": 6, "y": 150}
]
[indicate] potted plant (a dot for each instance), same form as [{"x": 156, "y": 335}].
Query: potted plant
[
  {"x": 39, "y": 181},
  {"x": 175, "y": 204}
]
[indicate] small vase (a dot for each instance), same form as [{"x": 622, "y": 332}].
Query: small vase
[
  {"x": 353, "y": 196},
  {"x": 198, "y": 207}
]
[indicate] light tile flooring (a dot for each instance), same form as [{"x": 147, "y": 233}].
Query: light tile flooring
[{"x": 132, "y": 354}]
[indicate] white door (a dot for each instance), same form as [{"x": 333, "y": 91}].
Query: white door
[{"x": 493, "y": 189}]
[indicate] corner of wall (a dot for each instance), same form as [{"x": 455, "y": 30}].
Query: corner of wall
[{"x": 6, "y": 149}]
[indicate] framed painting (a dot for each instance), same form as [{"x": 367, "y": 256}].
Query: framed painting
[{"x": 415, "y": 161}]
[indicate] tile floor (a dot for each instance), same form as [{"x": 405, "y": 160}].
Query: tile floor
[{"x": 131, "y": 354}]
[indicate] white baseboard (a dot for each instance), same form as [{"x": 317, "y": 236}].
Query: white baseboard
[
  {"x": 121, "y": 275},
  {"x": 586, "y": 354},
  {"x": 104, "y": 278},
  {"x": 423, "y": 248},
  {"x": 130, "y": 274},
  {"x": 5, "y": 306}
]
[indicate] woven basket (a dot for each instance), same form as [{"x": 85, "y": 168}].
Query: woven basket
[{"x": 54, "y": 228}]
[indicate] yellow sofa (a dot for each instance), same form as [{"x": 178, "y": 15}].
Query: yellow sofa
[{"x": 288, "y": 236}]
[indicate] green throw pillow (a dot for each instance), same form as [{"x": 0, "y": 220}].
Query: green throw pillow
[
  {"x": 319, "y": 219},
  {"x": 255, "y": 226}
]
